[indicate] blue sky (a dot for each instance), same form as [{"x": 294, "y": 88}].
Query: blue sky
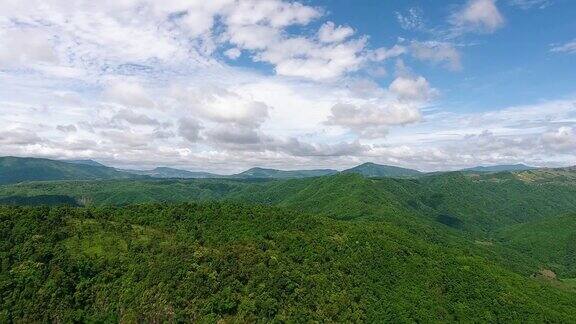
[{"x": 229, "y": 84}]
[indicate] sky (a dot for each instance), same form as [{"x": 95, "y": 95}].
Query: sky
[{"x": 224, "y": 85}]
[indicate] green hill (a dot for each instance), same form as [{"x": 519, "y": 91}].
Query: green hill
[
  {"x": 500, "y": 168},
  {"x": 85, "y": 162},
  {"x": 262, "y": 173},
  {"x": 236, "y": 263},
  {"x": 374, "y": 170},
  {"x": 552, "y": 241},
  {"x": 164, "y": 172},
  {"x": 15, "y": 169},
  {"x": 455, "y": 246},
  {"x": 466, "y": 202}
]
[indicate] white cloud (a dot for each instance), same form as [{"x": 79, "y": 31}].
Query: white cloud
[
  {"x": 22, "y": 47},
  {"x": 382, "y": 54},
  {"x": 142, "y": 83},
  {"x": 233, "y": 53},
  {"x": 437, "y": 52},
  {"x": 412, "y": 88},
  {"x": 412, "y": 19},
  {"x": 329, "y": 33},
  {"x": 67, "y": 128},
  {"x": 478, "y": 16},
  {"x": 569, "y": 48},
  {"x": 372, "y": 116},
  {"x": 529, "y": 4},
  {"x": 128, "y": 93},
  {"x": 18, "y": 136},
  {"x": 189, "y": 129},
  {"x": 562, "y": 139}
]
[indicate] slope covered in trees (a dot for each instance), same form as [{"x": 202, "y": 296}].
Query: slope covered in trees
[
  {"x": 15, "y": 169},
  {"x": 378, "y": 170},
  {"x": 233, "y": 262},
  {"x": 552, "y": 241},
  {"x": 471, "y": 203}
]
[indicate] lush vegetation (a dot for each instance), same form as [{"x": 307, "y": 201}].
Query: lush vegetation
[
  {"x": 14, "y": 170},
  {"x": 378, "y": 170},
  {"x": 232, "y": 262},
  {"x": 460, "y": 246},
  {"x": 552, "y": 241}
]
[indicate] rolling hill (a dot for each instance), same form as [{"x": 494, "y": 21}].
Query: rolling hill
[
  {"x": 500, "y": 168},
  {"x": 15, "y": 169},
  {"x": 85, "y": 162},
  {"x": 552, "y": 241},
  {"x": 263, "y": 173},
  {"x": 373, "y": 170},
  {"x": 227, "y": 262},
  {"x": 164, "y": 172},
  {"x": 455, "y": 246}
]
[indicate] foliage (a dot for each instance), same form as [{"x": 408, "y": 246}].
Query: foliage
[
  {"x": 235, "y": 262},
  {"x": 14, "y": 170}
]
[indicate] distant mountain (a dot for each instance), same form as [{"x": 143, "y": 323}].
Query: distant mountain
[
  {"x": 164, "y": 172},
  {"x": 85, "y": 162},
  {"x": 15, "y": 169},
  {"x": 262, "y": 173},
  {"x": 373, "y": 170},
  {"x": 500, "y": 168}
]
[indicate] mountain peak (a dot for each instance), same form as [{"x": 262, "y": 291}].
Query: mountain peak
[
  {"x": 85, "y": 162},
  {"x": 371, "y": 169}
]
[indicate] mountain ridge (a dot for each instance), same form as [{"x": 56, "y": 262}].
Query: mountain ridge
[
  {"x": 499, "y": 168},
  {"x": 370, "y": 169}
]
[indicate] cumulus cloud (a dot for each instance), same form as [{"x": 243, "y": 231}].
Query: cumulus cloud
[
  {"x": 24, "y": 47},
  {"x": 329, "y": 33},
  {"x": 142, "y": 83},
  {"x": 381, "y": 54},
  {"x": 19, "y": 136},
  {"x": 128, "y": 93},
  {"x": 220, "y": 105},
  {"x": 234, "y": 135},
  {"x": 233, "y": 53},
  {"x": 67, "y": 128},
  {"x": 412, "y": 88},
  {"x": 478, "y": 16},
  {"x": 437, "y": 52},
  {"x": 135, "y": 118},
  {"x": 189, "y": 129},
  {"x": 562, "y": 139},
  {"x": 372, "y": 121}
]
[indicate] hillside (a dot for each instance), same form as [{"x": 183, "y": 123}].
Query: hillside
[
  {"x": 164, "y": 172},
  {"x": 470, "y": 203},
  {"x": 241, "y": 263},
  {"x": 263, "y": 173},
  {"x": 85, "y": 162},
  {"x": 374, "y": 170},
  {"x": 500, "y": 168},
  {"x": 552, "y": 241},
  {"x": 15, "y": 169}
]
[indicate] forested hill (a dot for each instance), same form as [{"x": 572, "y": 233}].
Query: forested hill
[
  {"x": 236, "y": 263},
  {"x": 476, "y": 204},
  {"x": 450, "y": 247},
  {"x": 378, "y": 170},
  {"x": 16, "y": 169}
]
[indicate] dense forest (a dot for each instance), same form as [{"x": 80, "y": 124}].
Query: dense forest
[
  {"x": 235, "y": 262},
  {"x": 453, "y": 247}
]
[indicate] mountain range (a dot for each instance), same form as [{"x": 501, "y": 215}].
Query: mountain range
[
  {"x": 351, "y": 246},
  {"x": 500, "y": 168},
  {"x": 17, "y": 169}
]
